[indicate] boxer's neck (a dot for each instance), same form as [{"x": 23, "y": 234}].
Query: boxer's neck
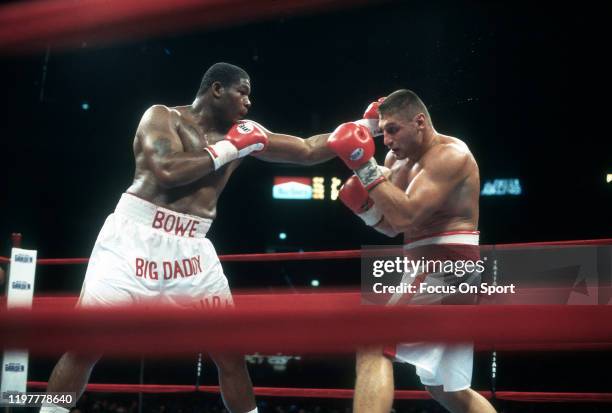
[
  {"x": 204, "y": 115},
  {"x": 430, "y": 139}
]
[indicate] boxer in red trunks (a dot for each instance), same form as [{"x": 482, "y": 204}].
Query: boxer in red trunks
[{"x": 430, "y": 194}]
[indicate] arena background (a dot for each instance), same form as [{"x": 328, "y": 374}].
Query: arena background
[{"x": 509, "y": 79}]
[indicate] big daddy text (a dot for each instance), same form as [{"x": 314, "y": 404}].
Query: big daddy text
[{"x": 186, "y": 267}]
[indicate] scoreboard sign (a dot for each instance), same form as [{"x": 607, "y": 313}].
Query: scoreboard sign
[{"x": 301, "y": 187}]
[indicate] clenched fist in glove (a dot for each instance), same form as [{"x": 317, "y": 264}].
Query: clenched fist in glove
[
  {"x": 370, "y": 118},
  {"x": 242, "y": 139},
  {"x": 354, "y": 195},
  {"x": 353, "y": 144}
]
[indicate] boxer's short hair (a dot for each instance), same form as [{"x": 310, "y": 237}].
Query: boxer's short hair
[
  {"x": 405, "y": 102},
  {"x": 225, "y": 73}
]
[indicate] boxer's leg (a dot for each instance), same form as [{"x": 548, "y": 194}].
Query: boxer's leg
[
  {"x": 451, "y": 384},
  {"x": 234, "y": 379},
  {"x": 70, "y": 375},
  {"x": 462, "y": 401},
  {"x": 72, "y": 371},
  {"x": 235, "y": 383},
  {"x": 374, "y": 385}
]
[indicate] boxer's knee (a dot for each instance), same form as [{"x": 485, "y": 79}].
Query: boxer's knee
[
  {"x": 80, "y": 361},
  {"x": 74, "y": 364},
  {"x": 455, "y": 401},
  {"x": 71, "y": 373},
  {"x": 230, "y": 363}
]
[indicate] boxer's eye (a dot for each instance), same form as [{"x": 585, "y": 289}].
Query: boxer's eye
[{"x": 391, "y": 130}]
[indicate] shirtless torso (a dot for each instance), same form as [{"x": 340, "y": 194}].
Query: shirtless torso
[
  {"x": 460, "y": 210},
  {"x": 173, "y": 139},
  {"x": 198, "y": 197}
]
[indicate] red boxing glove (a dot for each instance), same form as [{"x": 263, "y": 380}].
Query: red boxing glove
[
  {"x": 370, "y": 118},
  {"x": 353, "y": 143},
  {"x": 242, "y": 139},
  {"x": 354, "y": 195}
]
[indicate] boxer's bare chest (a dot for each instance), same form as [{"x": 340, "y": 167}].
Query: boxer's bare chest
[
  {"x": 194, "y": 139},
  {"x": 193, "y": 136},
  {"x": 403, "y": 173},
  {"x": 200, "y": 197},
  {"x": 458, "y": 213}
]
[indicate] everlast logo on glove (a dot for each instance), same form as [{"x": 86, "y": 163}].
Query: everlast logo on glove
[
  {"x": 356, "y": 154},
  {"x": 245, "y": 128}
]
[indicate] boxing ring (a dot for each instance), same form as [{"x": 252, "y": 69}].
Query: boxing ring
[{"x": 329, "y": 322}]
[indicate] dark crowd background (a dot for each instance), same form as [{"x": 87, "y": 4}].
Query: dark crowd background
[{"x": 518, "y": 83}]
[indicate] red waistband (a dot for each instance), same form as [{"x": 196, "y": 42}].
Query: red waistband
[{"x": 445, "y": 238}]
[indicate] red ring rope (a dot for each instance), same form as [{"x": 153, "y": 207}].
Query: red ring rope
[
  {"x": 335, "y": 393},
  {"x": 328, "y": 255},
  {"x": 45, "y": 303},
  {"x": 297, "y": 323}
]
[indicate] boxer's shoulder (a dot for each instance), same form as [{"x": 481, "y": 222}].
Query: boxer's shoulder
[
  {"x": 448, "y": 157},
  {"x": 451, "y": 145},
  {"x": 160, "y": 110},
  {"x": 157, "y": 115}
]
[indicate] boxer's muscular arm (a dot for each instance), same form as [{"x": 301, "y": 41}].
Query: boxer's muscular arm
[
  {"x": 427, "y": 192},
  {"x": 291, "y": 149},
  {"x": 164, "y": 153}
]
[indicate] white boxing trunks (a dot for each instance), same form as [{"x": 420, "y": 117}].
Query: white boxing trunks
[
  {"x": 147, "y": 254},
  {"x": 439, "y": 364}
]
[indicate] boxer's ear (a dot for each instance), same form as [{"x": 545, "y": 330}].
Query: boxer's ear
[
  {"x": 420, "y": 120},
  {"x": 216, "y": 89}
]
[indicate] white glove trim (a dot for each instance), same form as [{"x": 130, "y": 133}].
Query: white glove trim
[
  {"x": 372, "y": 216},
  {"x": 222, "y": 152}
]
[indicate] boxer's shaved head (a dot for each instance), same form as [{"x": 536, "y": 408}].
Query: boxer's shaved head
[{"x": 405, "y": 103}]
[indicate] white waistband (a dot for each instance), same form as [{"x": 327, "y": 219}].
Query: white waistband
[
  {"x": 162, "y": 219},
  {"x": 452, "y": 237}
]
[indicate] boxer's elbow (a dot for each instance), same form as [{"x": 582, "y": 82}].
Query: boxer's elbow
[
  {"x": 167, "y": 176},
  {"x": 406, "y": 215},
  {"x": 315, "y": 151},
  {"x": 166, "y": 179},
  {"x": 310, "y": 155},
  {"x": 385, "y": 228},
  {"x": 401, "y": 226},
  {"x": 388, "y": 231},
  {"x": 401, "y": 223},
  {"x": 410, "y": 222},
  {"x": 392, "y": 233},
  {"x": 305, "y": 157}
]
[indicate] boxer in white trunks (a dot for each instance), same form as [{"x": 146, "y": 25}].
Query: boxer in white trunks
[
  {"x": 430, "y": 193},
  {"x": 153, "y": 248}
]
